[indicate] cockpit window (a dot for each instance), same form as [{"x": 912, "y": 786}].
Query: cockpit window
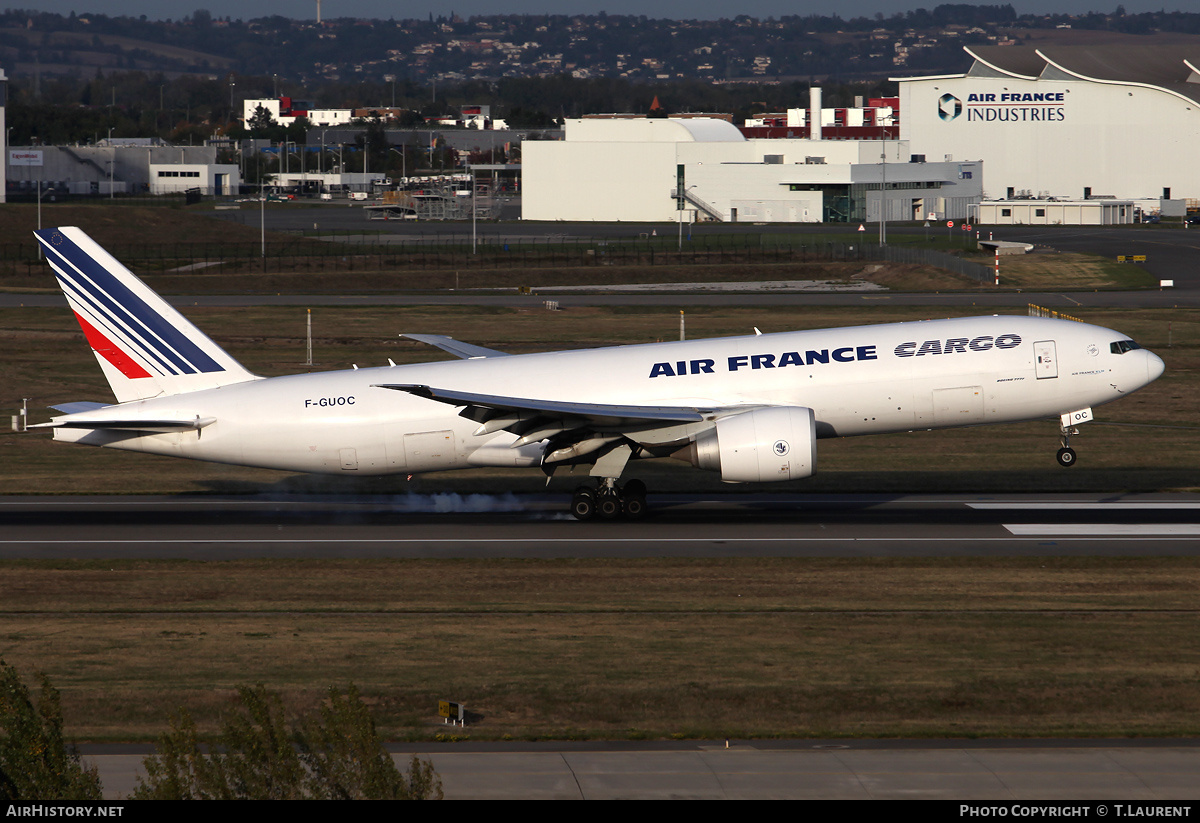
[{"x": 1122, "y": 346}]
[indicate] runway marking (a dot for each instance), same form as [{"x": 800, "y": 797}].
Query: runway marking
[
  {"x": 1115, "y": 529},
  {"x": 1085, "y": 506},
  {"x": 20, "y": 504},
  {"x": 400, "y": 503},
  {"x": 1019, "y": 531}
]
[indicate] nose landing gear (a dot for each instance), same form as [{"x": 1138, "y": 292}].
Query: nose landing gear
[{"x": 1066, "y": 455}]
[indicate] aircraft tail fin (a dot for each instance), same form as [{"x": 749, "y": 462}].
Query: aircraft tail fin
[{"x": 145, "y": 347}]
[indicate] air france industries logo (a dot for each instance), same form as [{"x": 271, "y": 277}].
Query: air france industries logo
[
  {"x": 1014, "y": 107},
  {"x": 949, "y": 107},
  {"x": 781, "y": 447}
]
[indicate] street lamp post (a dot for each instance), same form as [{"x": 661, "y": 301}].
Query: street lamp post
[
  {"x": 681, "y": 201},
  {"x": 883, "y": 196},
  {"x": 262, "y": 212},
  {"x": 403, "y": 162},
  {"x": 39, "y": 201}
]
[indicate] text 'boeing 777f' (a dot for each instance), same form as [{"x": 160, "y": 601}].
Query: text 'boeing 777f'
[{"x": 751, "y": 408}]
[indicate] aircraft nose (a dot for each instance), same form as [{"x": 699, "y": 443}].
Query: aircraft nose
[{"x": 1154, "y": 367}]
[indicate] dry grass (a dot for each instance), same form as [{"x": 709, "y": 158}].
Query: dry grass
[
  {"x": 126, "y": 225},
  {"x": 1153, "y": 448},
  {"x": 444, "y": 269},
  {"x": 1068, "y": 272},
  {"x": 627, "y": 648}
]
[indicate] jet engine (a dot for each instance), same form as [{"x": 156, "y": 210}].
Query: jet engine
[{"x": 759, "y": 446}]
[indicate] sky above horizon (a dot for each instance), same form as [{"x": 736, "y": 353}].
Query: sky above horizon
[{"x": 670, "y": 9}]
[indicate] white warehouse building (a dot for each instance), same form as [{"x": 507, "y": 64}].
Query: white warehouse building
[
  {"x": 626, "y": 170},
  {"x": 1068, "y": 122}
]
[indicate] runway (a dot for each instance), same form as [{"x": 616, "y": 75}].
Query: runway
[
  {"x": 1009, "y": 771},
  {"x": 537, "y": 526}
]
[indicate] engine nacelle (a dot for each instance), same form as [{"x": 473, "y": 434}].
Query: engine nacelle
[{"x": 760, "y": 446}]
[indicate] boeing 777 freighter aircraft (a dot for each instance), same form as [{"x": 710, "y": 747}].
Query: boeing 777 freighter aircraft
[{"x": 751, "y": 408}]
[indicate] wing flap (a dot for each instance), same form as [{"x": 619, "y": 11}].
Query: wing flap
[{"x": 596, "y": 413}]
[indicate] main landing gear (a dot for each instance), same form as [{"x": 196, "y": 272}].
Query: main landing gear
[{"x": 608, "y": 501}]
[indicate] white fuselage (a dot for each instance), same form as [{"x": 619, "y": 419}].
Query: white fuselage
[{"x": 858, "y": 380}]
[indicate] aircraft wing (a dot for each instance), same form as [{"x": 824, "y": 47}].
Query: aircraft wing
[
  {"x": 600, "y": 413},
  {"x": 574, "y": 431},
  {"x": 465, "y": 351}
]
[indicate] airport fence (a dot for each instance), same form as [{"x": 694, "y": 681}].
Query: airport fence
[{"x": 333, "y": 253}]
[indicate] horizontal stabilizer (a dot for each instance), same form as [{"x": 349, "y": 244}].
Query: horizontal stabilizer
[
  {"x": 465, "y": 351},
  {"x": 156, "y": 426},
  {"x": 80, "y": 406},
  {"x": 599, "y": 412}
]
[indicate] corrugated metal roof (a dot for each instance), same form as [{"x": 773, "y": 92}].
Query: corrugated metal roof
[
  {"x": 1161, "y": 66},
  {"x": 1021, "y": 61}
]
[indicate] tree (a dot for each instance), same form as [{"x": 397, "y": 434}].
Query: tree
[
  {"x": 261, "y": 121},
  {"x": 346, "y": 760},
  {"x": 35, "y": 762},
  {"x": 335, "y": 753}
]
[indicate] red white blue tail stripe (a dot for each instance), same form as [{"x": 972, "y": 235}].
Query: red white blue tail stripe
[
  {"x": 136, "y": 335},
  {"x": 117, "y": 319}
]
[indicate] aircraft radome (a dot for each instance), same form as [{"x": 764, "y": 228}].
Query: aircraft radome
[{"x": 751, "y": 408}]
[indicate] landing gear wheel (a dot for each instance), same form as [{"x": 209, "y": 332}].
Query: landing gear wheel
[
  {"x": 635, "y": 507},
  {"x": 634, "y": 488},
  {"x": 633, "y": 499},
  {"x": 583, "y": 504},
  {"x": 608, "y": 504},
  {"x": 1066, "y": 457}
]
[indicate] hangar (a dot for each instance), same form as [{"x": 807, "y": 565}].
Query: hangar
[
  {"x": 120, "y": 166},
  {"x": 613, "y": 169},
  {"x": 1071, "y": 122}
]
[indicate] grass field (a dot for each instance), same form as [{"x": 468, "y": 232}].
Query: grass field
[
  {"x": 161, "y": 243},
  {"x": 627, "y": 648}
]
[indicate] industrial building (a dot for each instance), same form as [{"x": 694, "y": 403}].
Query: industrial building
[
  {"x": 1053, "y": 212},
  {"x": 1066, "y": 122},
  {"x": 286, "y": 110},
  {"x": 120, "y": 166},
  {"x": 879, "y": 119},
  {"x": 631, "y": 169}
]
